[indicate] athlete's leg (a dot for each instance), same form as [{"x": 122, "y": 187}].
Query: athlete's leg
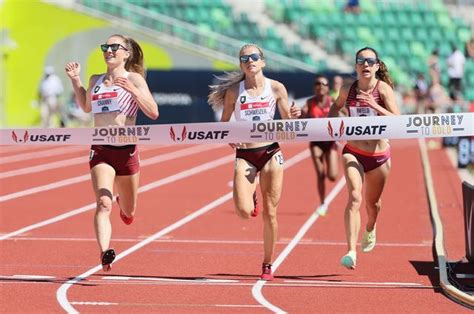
[
  {"x": 127, "y": 188},
  {"x": 245, "y": 182},
  {"x": 317, "y": 156},
  {"x": 375, "y": 181},
  {"x": 354, "y": 179},
  {"x": 103, "y": 182},
  {"x": 271, "y": 183},
  {"x": 332, "y": 164}
]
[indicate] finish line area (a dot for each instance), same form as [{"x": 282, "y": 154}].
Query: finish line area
[{"x": 188, "y": 251}]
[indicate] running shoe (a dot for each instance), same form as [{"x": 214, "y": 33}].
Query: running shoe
[
  {"x": 255, "y": 205},
  {"x": 322, "y": 209},
  {"x": 349, "y": 260},
  {"x": 266, "y": 272},
  {"x": 127, "y": 220},
  {"x": 106, "y": 258},
  {"x": 368, "y": 241}
]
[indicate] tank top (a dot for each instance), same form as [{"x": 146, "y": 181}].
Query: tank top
[
  {"x": 255, "y": 108},
  {"x": 316, "y": 111},
  {"x": 357, "y": 108},
  {"x": 112, "y": 98}
]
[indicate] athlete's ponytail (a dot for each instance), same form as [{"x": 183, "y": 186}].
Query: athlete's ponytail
[
  {"x": 382, "y": 73},
  {"x": 134, "y": 62}
]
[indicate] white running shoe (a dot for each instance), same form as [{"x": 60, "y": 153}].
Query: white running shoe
[
  {"x": 368, "y": 240},
  {"x": 322, "y": 209}
]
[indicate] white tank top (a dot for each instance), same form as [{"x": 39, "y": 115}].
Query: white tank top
[
  {"x": 255, "y": 108},
  {"x": 112, "y": 98}
]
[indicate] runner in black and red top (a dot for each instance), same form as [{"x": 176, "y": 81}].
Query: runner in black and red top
[
  {"x": 365, "y": 160},
  {"x": 324, "y": 154}
]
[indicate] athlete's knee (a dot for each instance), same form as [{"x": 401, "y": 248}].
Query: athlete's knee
[
  {"x": 374, "y": 206},
  {"x": 104, "y": 204},
  {"x": 355, "y": 199},
  {"x": 332, "y": 176},
  {"x": 243, "y": 213}
]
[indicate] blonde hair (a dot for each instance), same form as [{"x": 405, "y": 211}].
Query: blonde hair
[{"x": 223, "y": 82}]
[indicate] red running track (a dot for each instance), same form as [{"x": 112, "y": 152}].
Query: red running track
[{"x": 187, "y": 251}]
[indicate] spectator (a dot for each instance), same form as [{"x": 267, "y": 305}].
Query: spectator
[
  {"x": 438, "y": 99},
  {"x": 433, "y": 66},
  {"x": 352, "y": 6},
  {"x": 73, "y": 116},
  {"x": 455, "y": 64},
  {"x": 50, "y": 91},
  {"x": 470, "y": 48},
  {"x": 337, "y": 82},
  {"x": 421, "y": 93}
]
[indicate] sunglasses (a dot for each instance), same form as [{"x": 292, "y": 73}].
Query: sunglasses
[
  {"x": 253, "y": 56},
  {"x": 114, "y": 47},
  {"x": 321, "y": 83},
  {"x": 370, "y": 61}
]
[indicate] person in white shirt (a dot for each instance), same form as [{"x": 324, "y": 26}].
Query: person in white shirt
[
  {"x": 455, "y": 62},
  {"x": 50, "y": 91}
]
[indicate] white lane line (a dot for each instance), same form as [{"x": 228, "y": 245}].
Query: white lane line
[
  {"x": 61, "y": 294},
  {"x": 167, "y": 180},
  {"x": 355, "y": 283},
  {"x": 257, "y": 288},
  {"x": 199, "y": 280},
  {"x": 53, "y": 165},
  {"x": 46, "y": 153},
  {"x": 146, "y": 162},
  {"x": 223, "y": 242},
  {"x": 99, "y": 303},
  {"x": 43, "y": 167}
]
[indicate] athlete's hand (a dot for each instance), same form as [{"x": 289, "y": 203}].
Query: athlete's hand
[
  {"x": 367, "y": 98},
  {"x": 125, "y": 84},
  {"x": 295, "y": 111},
  {"x": 73, "y": 69}
]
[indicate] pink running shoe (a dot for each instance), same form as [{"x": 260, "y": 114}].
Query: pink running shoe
[
  {"x": 255, "y": 205},
  {"x": 127, "y": 220},
  {"x": 266, "y": 272}
]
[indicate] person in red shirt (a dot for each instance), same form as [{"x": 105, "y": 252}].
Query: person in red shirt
[{"x": 323, "y": 154}]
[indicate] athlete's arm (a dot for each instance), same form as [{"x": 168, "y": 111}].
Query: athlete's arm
[
  {"x": 83, "y": 98},
  {"x": 136, "y": 85},
  {"x": 281, "y": 97},
  {"x": 229, "y": 103},
  {"x": 388, "y": 97},
  {"x": 338, "y": 105}
]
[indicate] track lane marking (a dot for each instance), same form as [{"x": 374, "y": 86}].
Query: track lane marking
[
  {"x": 146, "y": 162},
  {"x": 257, "y": 288},
  {"x": 145, "y": 188},
  {"x": 61, "y": 294}
]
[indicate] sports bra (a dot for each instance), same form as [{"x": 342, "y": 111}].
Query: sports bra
[
  {"x": 357, "y": 108},
  {"x": 315, "y": 111},
  {"x": 112, "y": 98},
  {"x": 255, "y": 108}
]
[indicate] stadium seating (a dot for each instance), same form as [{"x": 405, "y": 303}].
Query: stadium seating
[{"x": 404, "y": 32}]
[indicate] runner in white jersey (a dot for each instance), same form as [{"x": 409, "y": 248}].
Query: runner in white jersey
[
  {"x": 250, "y": 96},
  {"x": 114, "y": 98}
]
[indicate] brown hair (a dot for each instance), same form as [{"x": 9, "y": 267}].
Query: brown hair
[
  {"x": 222, "y": 83},
  {"x": 382, "y": 73},
  {"x": 134, "y": 63}
]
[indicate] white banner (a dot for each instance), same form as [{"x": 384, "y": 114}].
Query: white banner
[{"x": 321, "y": 129}]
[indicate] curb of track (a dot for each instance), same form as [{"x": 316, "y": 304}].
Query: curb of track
[{"x": 448, "y": 289}]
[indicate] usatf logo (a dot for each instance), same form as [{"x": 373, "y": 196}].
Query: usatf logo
[
  {"x": 435, "y": 125},
  {"x": 20, "y": 140},
  {"x": 122, "y": 135},
  {"x": 178, "y": 139},
  {"x": 198, "y": 135},
  {"x": 279, "y": 130},
  {"x": 331, "y": 130},
  {"x": 27, "y": 137}
]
